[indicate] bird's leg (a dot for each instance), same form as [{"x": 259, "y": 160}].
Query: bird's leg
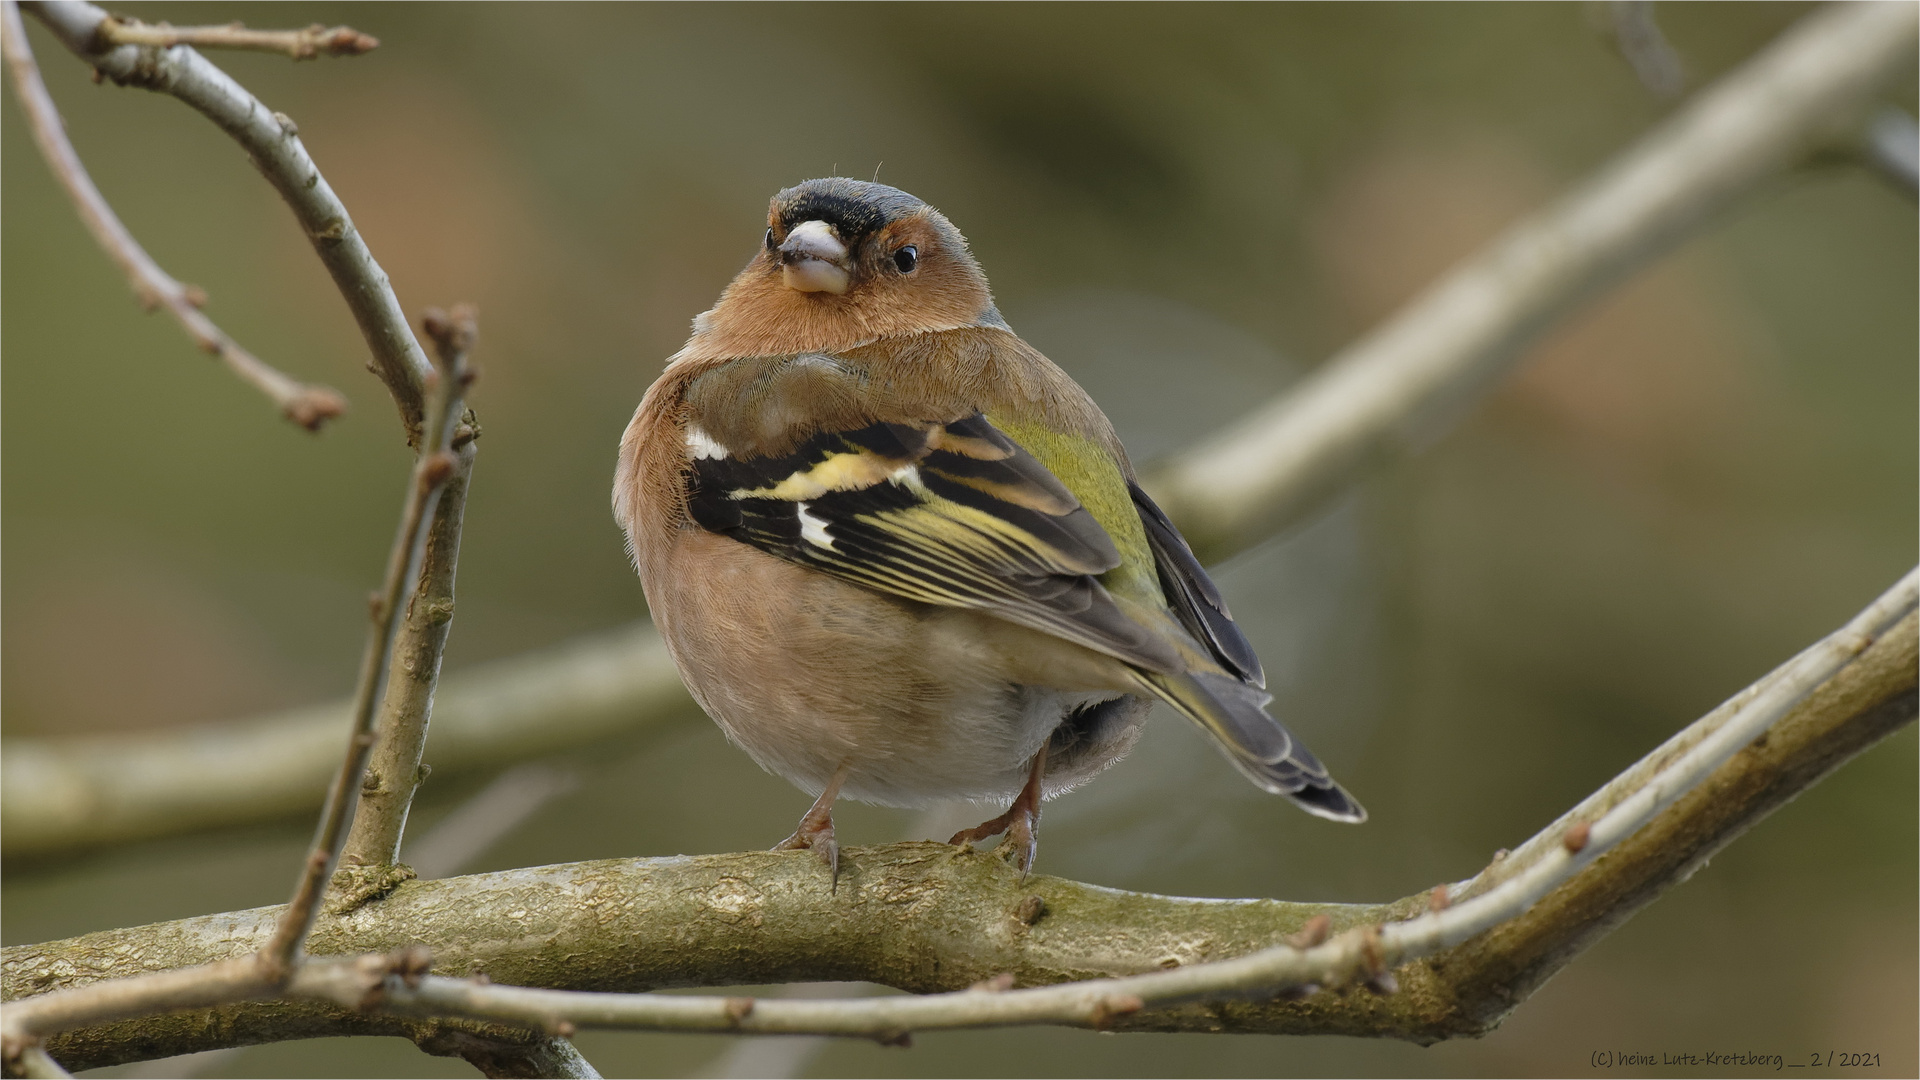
[
  {"x": 816, "y": 827},
  {"x": 1021, "y": 822}
]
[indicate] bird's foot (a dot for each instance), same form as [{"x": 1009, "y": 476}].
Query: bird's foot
[
  {"x": 816, "y": 836},
  {"x": 1022, "y": 826},
  {"x": 1021, "y": 822},
  {"x": 815, "y": 831}
]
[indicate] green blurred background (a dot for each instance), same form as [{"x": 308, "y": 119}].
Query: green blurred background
[{"x": 1186, "y": 206}]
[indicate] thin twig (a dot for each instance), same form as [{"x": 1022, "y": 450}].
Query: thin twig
[
  {"x": 394, "y": 773},
  {"x": 1561, "y": 852},
  {"x": 309, "y": 406},
  {"x": 217, "y": 983},
  {"x": 272, "y": 140},
  {"x": 434, "y": 467},
  {"x": 314, "y": 41},
  {"x": 359, "y": 980},
  {"x": 1399, "y": 386}
]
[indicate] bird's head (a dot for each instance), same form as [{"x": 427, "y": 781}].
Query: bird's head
[{"x": 844, "y": 262}]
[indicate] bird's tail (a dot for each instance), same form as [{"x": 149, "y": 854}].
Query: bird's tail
[{"x": 1234, "y": 713}]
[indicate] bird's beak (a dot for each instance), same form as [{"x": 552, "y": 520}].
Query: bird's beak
[{"x": 814, "y": 260}]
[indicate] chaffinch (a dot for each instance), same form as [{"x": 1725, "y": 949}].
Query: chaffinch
[{"x": 901, "y": 557}]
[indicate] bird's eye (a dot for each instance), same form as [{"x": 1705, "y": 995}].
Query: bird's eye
[
  {"x": 907, "y": 258},
  {"x": 769, "y": 238}
]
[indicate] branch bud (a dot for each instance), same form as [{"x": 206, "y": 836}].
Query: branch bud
[
  {"x": 1576, "y": 838},
  {"x": 1313, "y": 933}
]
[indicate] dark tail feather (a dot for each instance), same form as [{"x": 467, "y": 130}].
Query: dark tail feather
[{"x": 1259, "y": 746}]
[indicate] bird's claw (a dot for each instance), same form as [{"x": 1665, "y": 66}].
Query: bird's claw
[
  {"x": 818, "y": 837},
  {"x": 1021, "y": 822},
  {"x": 816, "y": 828},
  {"x": 1023, "y": 842},
  {"x": 1021, "y": 826}
]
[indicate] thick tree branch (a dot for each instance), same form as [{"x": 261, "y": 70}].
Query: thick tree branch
[
  {"x": 394, "y": 772},
  {"x": 309, "y": 406},
  {"x": 1366, "y": 951},
  {"x": 929, "y": 918},
  {"x": 273, "y": 142},
  {"x": 1406, "y": 380},
  {"x": 314, "y": 41}
]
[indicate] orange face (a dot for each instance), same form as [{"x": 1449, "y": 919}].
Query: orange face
[{"x": 845, "y": 262}]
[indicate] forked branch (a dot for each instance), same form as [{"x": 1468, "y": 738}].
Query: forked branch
[
  {"x": 272, "y": 140},
  {"x": 308, "y": 406},
  {"x": 274, "y": 968},
  {"x": 432, "y": 469},
  {"x": 372, "y": 853}
]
